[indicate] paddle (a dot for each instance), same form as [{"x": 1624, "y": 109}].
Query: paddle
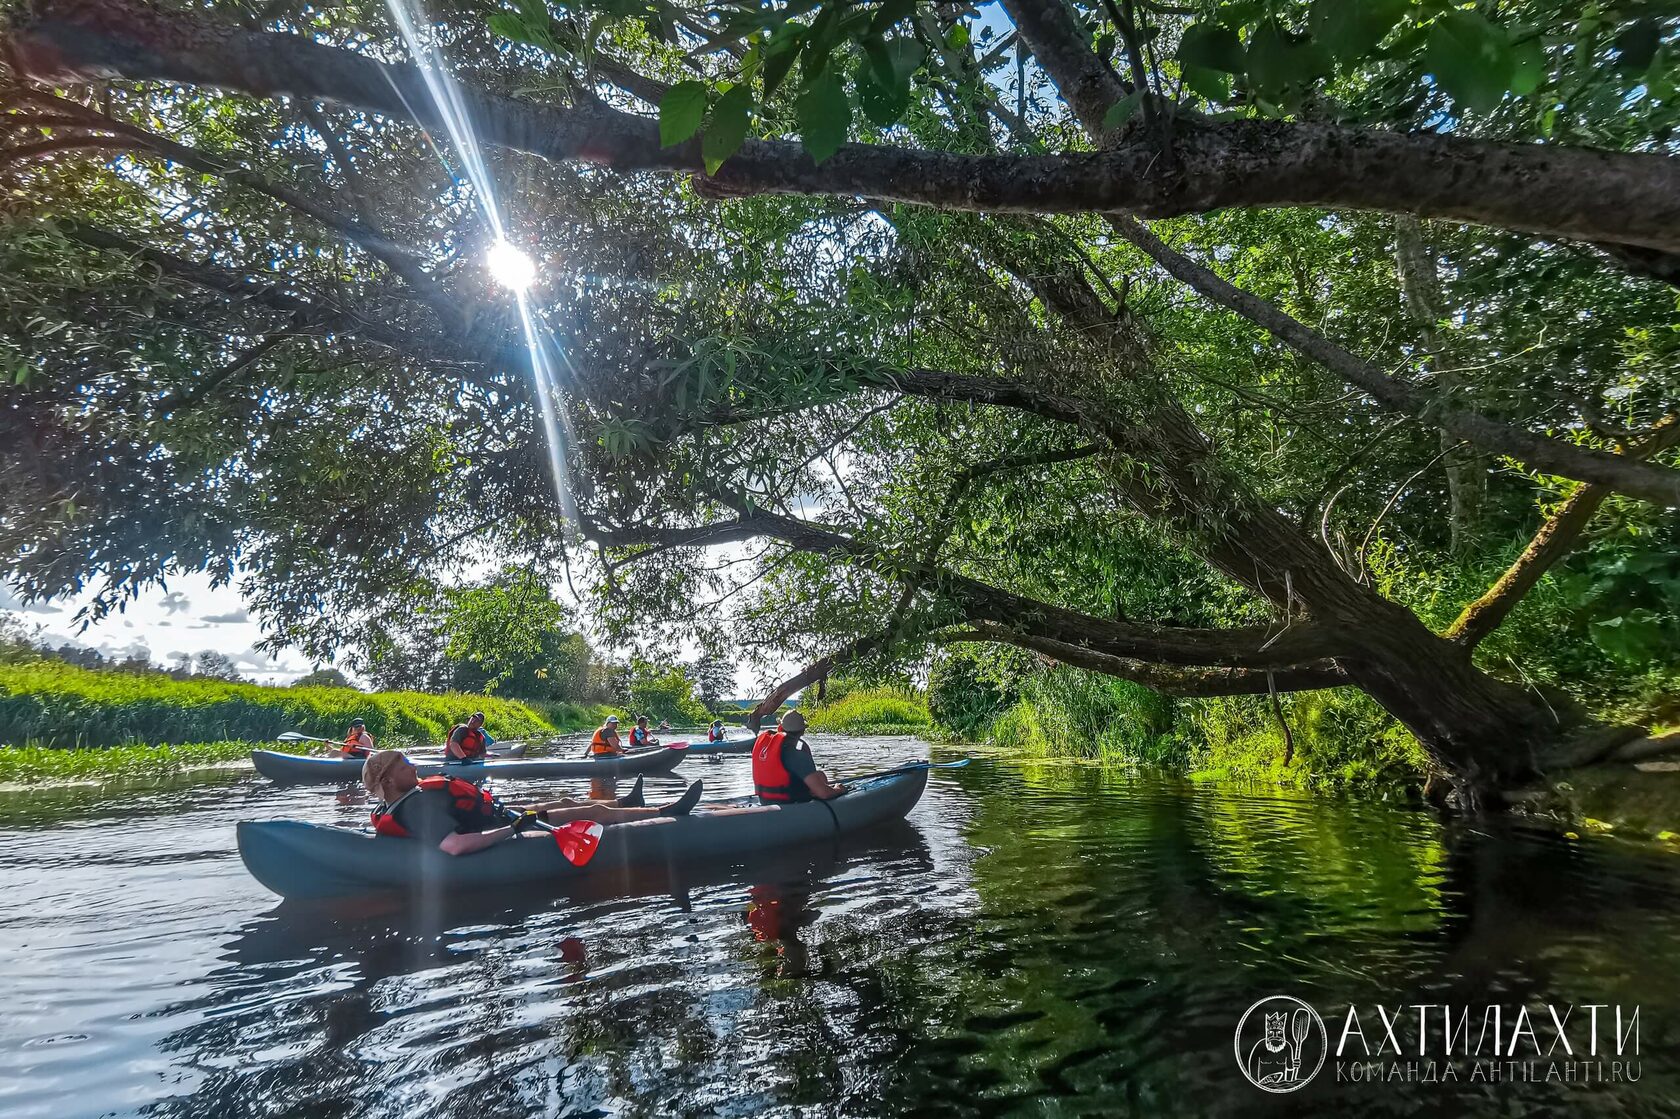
[
  {"x": 294, "y": 737},
  {"x": 577, "y": 840},
  {"x": 958, "y": 764}
]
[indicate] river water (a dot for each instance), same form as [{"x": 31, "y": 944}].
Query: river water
[{"x": 1037, "y": 939}]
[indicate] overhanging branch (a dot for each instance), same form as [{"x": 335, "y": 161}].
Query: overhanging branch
[{"x": 1546, "y": 189}]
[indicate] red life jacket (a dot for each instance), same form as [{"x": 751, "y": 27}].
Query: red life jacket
[
  {"x": 467, "y": 796},
  {"x": 472, "y": 741},
  {"x": 772, "y": 778},
  {"x": 638, "y": 736},
  {"x": 715, "y": 735}
]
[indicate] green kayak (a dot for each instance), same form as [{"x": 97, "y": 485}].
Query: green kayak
[
  {"x": 298, "y": 860},
  {"x": 296, "y": 769}
]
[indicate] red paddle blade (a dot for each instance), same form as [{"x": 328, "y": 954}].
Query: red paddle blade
[
  {"x": 676, "y": 745},
  {"x": 578, "y": 840}
]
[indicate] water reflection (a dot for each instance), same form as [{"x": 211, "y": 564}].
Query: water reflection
[{"x": 1036, "y": 939}]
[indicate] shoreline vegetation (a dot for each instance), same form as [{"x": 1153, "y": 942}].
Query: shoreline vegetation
[{"x": 63, "y": 722}]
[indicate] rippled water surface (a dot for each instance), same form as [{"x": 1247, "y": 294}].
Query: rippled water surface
[{"x": 1037, "y": 939}]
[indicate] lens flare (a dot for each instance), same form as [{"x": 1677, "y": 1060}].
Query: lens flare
[{"x": 509, "y": 266}]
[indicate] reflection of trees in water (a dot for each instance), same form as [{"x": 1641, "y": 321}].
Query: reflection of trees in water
[
  {"x": 474, "y": 1007},
  {"x": 1094, "y": 959}
]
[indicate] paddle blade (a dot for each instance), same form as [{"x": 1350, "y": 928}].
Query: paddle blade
[
  {"x": 578, "y": 840},
  {"x": 676, "y": 745},
  {"x": 294, "y": 736}
]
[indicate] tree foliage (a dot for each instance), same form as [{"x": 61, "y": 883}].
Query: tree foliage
[{"x": 887, "y": 369}]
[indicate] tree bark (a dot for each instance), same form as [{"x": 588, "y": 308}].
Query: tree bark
[
  {"x": 1625, "y": 198},
  {"x": 1420, "y": 288}
]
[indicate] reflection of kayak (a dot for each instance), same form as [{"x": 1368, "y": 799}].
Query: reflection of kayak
[
  {"x": 291, "y": 769},
  {"x": 310, "y": 860},
  {"x": 727, "y": 746}
]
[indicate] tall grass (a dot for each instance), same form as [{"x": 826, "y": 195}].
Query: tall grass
[
  {"x": 24, "y": 764},
  {"x": 872, "y": 711},
  {"x": 55, "y": 704}
]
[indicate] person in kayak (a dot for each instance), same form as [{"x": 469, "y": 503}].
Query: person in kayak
[
  {"x": 605, "y": 744},
  {"x": 640, "y": 735},
  {"x": 467, "y": 741},
  {"x": 461, "y": 818},
  {"x": 715, "y": 733},
  {"x": 358, "y": 743},
  {"x": 784, "y": 771}
]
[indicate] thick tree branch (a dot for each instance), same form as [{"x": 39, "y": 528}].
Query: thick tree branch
[
  {"x": 1556, "y": 539},
  {"x": 1168, "y": 680},
  {"x": 1554, "y": 191},
  {"x": 1242, "y": 647}
]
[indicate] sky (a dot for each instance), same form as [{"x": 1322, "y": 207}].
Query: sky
[{"x": 189, "y": 617}]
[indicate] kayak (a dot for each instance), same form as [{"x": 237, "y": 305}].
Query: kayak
[
  {"x": 295, "y": 769},
  {"x": 299, "y": 860},
  {"x": 727, "y": 746}
]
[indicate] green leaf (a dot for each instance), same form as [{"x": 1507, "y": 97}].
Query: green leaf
[
  {"x": 882, "y": 104},
  {"x": 680, "y": 112},
  {"x": 889, "y": 14},
  {"x": 727, "y": 127},
  {"x": 1637, "y": 45},
  {"x": 1279, "y": 61},
  {"x": 1528, "y": 67},
  {"x": 1121, "y": 111},
  {"x": 779, "y": 54},
  {"x": 825, "y": 30},
  {"x": 1215, "y": 85},
  {"x": 508, "y": 26},
  {"x": 1351, "y": 29},
  {"x": 1207, "y": 46},
  {"x": 824, "y": 116},
  {"x": 1470, "y": 59}
]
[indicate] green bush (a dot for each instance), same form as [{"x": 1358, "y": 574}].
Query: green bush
[
  {"x": 1070, "y": 711},
  {"x": 1341, "y": 738},
  {"x": 59, "y": 705},
  {"x": 872, "y": 711}
]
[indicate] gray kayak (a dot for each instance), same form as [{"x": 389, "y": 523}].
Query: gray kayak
[
  {"x": 296, "y": 769},
  {"x": 298, "y": 860},
  {"x": 727, "y": 746}
]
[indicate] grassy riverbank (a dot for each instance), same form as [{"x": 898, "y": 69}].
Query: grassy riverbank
[
  {"x": 872, "y": 711},
  {"x": 22, "y": 765},
  {"x": 130, "y": 722}
]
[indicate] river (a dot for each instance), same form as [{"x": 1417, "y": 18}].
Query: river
[{"x": 1037, "y": 939}]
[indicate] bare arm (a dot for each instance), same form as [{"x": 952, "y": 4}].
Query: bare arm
[
  {"x": 820, "y": 787},
  {"x": 466, "y": 843}
]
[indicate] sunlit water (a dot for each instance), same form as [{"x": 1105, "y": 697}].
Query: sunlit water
[{"x": 1039, "y": 939}]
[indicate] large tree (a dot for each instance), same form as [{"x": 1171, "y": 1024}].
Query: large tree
[{"x": 928, "y": 367}]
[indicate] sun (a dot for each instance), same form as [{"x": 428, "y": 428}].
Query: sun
[{"x": 510, "y": 266}]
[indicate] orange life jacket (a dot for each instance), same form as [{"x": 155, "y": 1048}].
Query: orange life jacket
[
  {"x": 772, "y": 778},
  {"x": 600, "y": 745},
  {"x": 467, "y": 796},
  {"x": 472, "y": 742},
  {"x": 358, "y": 744}
]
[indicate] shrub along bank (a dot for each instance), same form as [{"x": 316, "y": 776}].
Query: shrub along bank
[
  {"x": 52, "y": 704},
  {"x": 871, "y": 711}
]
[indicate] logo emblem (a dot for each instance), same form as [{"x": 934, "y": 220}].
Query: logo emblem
[{"x": 1281, "y": 1044}]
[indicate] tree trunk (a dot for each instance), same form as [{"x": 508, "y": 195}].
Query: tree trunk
[{"x": 1420, "y": 286}]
